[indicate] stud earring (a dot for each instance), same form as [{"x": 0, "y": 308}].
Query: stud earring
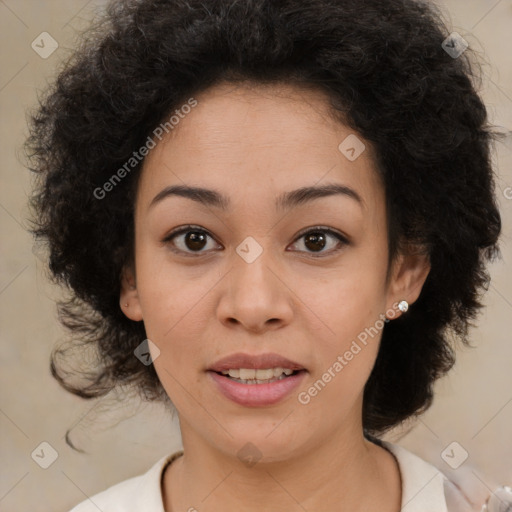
[
  {"x": 403, "y": 306},
  {"x": 126, "y": 305}
]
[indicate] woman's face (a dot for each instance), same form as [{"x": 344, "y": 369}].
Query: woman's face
[{"x": 259, "y": 274}]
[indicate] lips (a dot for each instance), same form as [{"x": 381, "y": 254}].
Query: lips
[
  {"x": 256, "y": 395},
  {"x": 257, "y": 361}
]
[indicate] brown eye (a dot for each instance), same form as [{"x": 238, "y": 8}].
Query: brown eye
[
  {"x": 192, "y": 241},
  {"x": 195, "y": 240},
  {"x": 317, "y": 239},
  {"x": 188, "y": 240}
]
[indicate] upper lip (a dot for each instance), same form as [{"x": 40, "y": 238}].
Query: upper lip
[{"x": 255, "y": 361}]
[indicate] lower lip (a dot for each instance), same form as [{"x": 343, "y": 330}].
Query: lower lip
[{"x": 254, "y": 395}]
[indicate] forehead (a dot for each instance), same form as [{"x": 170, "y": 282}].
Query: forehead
[{"x": 260, "y": 140}]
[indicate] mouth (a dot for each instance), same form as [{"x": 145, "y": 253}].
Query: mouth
[
  {"x": 256, "y": 380},
  {"x": 262, "y": 363},
  {"x": 251, "y": 376}
]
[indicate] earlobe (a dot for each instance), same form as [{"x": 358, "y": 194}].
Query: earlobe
[
  {"x": 411, "y": 272},
  {"x": 129, "y": 296}
]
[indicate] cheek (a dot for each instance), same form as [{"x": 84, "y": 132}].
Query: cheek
[
  {"x": 346, "y": 351},
  {"x": 351, "y": 307},
  {"x": 171, "y": 299},
  {"x": 348, "y": 299},
  {"x": 354, "y": 333}
]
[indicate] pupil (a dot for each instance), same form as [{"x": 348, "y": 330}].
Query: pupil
[
  {"x": 315, "y": 238},
  {"x": 193, "y": 238}
]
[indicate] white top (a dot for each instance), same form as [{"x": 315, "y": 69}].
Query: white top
[{"x": 424, "y": 488}]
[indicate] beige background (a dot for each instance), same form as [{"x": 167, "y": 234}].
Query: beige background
[{"x": 473, "y": 405}]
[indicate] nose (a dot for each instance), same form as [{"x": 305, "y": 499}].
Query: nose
[{"x": 254, "y": 296}]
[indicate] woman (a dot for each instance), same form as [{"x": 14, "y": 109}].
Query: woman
[{"x": 271, "y": 215}]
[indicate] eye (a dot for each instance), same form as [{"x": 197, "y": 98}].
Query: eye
[
  {"x": 188, "y": 240},
  {"x": 194, "y": 241},
  {"x": 316, "y": 239}
]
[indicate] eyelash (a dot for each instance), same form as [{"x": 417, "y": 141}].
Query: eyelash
[{"x": 316, "y": 229}]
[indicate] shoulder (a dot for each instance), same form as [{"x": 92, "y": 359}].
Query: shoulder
[
  {"x": 142, "y": 492},
  {"x": 425, "y": 488}
]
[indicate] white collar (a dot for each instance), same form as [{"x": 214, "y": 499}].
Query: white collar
[
  {"x": 422, "y": 487},
  {"x": 422, "y": 483}
]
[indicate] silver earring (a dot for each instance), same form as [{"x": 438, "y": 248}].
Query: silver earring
[{"x": 403, "y": 306}]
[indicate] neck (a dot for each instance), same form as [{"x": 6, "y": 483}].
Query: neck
[{"x": 338, "y": 474}]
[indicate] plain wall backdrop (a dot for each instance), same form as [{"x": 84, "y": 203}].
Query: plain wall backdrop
[{"x": 473, "y": 404}]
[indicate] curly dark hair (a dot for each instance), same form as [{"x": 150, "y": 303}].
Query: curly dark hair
[{"x": 388, "y": 76}]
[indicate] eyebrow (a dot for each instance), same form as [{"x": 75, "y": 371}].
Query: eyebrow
[{"x": 287, "y": 200}]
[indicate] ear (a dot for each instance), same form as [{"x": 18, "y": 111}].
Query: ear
[
  {"x": 409, "y": 274},
  {"x": 129, "y": 297}
]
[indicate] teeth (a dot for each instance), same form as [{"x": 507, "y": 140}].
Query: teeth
[
  {"x": 260, "y": 374},
  {"x": 246, "y": 374}
]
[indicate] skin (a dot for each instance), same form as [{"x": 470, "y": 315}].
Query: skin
[{"x": 252, "y": 143}]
